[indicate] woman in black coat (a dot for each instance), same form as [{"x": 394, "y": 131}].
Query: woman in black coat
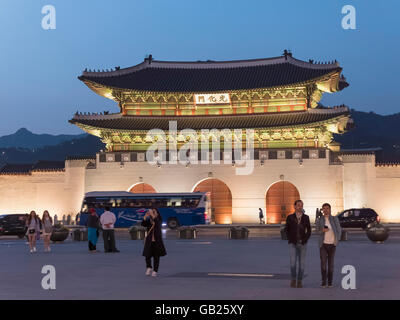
[{"x": 153, "y": 246}]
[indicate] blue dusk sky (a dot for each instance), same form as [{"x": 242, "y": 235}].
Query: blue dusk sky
[{"x": 39, "y": 68}]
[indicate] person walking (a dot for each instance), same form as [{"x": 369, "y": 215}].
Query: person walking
[
  {"x": 33, "y": 230},
  {"x": 261, "y": 216},
  {"x": 107, "y": 220},
  {"x": 47, "y": 224},
  {"x": 329, "y": 230},
  {"x": 93, "y": 226},
  {"x": 298, "y": 231},
  {"x": 153, "y": 246}
]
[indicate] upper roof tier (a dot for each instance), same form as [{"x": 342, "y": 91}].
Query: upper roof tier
[{"x": 214, "y": 76}]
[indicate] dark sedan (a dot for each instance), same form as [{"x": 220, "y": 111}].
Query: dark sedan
[
  {"x": 13, "y": 225},
  {"x": 357, "y": 218}
]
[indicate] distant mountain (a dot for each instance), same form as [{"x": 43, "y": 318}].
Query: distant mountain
[
  {"x": 373, "y": 130},
  {"x": 88, "y": 145},
  {"x": 23, "y": 138}
]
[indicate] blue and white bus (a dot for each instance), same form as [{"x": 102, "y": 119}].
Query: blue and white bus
[{"x": 176, "y": 209}]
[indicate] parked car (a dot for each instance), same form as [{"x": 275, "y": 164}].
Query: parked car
[
  {"x": 357, "y": 218},
  {"x": 13, "y": 225}
]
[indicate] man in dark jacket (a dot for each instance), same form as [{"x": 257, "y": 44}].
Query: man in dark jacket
[{"x": 298, "y": 230}]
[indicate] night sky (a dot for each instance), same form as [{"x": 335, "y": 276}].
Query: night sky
[{"x": 39, "y": 68}]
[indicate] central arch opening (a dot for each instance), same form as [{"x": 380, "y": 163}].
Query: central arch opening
[
  {"x": 280, "y": 200},
  {"x": 221, "y": 199}
]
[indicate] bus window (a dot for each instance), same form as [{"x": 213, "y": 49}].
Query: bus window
[{"x": 174, "y": 202}]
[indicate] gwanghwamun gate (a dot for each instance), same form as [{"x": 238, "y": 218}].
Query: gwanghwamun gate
[{"x": 250, "y": 132}]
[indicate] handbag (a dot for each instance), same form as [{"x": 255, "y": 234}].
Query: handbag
[{"x": 148, "y": 232}]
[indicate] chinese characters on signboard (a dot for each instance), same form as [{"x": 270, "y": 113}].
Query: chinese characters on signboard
[{"x": 216, "y": 98}]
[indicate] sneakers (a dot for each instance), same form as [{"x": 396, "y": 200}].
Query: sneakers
[
  {"x": 31, "y": 251},
  {"x": 34, "y": 249},
  {"x": 330, "y": 285},
  {"x": 154, "y": 274},
  {"x": 148, "y": 271},
  {"x": 323, "y": 285},
  {"x": 299, "y": 284},
  {"x": 293, "y": 284}
]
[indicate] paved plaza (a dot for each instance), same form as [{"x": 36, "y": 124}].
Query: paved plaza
[{"x": 210, "y": 267}]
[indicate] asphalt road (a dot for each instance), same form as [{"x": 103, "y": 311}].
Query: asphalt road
[{"x": 210, "y": 267}]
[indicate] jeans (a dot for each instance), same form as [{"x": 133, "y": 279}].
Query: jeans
[
  {"x": 327, "y": 255},
  {"x": 109, "y": 240},
  {"x": 297, "y": 254}
]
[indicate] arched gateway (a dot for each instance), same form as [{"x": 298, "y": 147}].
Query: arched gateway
[
  {"x": 221, "y": 199},
  {"x": 279, "y": 201}
]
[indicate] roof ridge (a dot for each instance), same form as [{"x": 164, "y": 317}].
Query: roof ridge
[{"x": 209, "y": 64}]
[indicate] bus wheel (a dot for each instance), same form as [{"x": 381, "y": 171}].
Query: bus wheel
[{"x": 172, "y": 223}]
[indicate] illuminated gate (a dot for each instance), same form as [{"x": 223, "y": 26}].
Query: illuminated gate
[
  {"x": 280, "y": 200},
  {"x": 221, "y": 199}
]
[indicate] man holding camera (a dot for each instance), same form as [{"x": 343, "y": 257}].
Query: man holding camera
[{"x": 329, "y": 230}]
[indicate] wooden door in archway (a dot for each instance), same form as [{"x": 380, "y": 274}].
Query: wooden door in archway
[
  {"x": 142, "y": 188},
  {"x": 280, "y": 200},
  {"x": 221, "y": 199}
]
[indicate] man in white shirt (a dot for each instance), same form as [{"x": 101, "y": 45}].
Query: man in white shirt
[
  {"x": 329, "y": 229},
  {"x": 107, "y": 220}
]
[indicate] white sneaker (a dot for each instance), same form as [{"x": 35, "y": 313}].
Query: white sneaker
[
  {"x": 154, "y": 274},
  {"x": 34, "y": 249},
  {"x": 31, "y": 251},
  {"x": 148, "y": 271}
]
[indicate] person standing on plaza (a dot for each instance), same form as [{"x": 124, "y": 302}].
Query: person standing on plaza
[
  {"x": 298, "y": 231},
  {"x": 261, "y": 216},
  {"x": 107, "y": 220},
  {"x": 33, "y": 229},
  {"x": 154, "y": 245},
  {"x": 93, "y": 226},
  {"x": 329, "y": 230},
  {"x": 47, "y": 224}
]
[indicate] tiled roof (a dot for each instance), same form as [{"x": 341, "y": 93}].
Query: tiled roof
[
  {"x": 48, "y": 166},
  {"x": 240, "y": 121},
  {"x": 212, "y": 76},
  {"x": 359, "y": 151},
  {"x": 14, "y": 168},
  {"x": 91, "y": 157},
  {"x": 28, "y": 168}
]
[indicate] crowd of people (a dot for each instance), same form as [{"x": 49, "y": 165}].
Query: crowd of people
[
  {"x": 297, "y": 229},
  {"x": 153, "y": 248}
]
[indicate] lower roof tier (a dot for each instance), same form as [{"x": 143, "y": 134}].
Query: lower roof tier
[{"x": 119, "y": 122}]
